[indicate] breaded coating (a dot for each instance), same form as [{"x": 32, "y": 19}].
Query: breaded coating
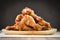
[{"x": 29, "y": 21}]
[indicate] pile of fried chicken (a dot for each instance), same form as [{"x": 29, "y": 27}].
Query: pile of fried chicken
[{"x": 29, "y": 21}]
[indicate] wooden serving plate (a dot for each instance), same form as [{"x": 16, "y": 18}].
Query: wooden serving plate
[{"x": 46, "y": 32}]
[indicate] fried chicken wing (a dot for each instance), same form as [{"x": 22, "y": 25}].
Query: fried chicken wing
[
  {"x": 12, "y": 28},
  {"x": 40, "y": 20},
  {"x": 28, "y": 11},
  {"x": 18, "y": 18},
  {"x": 29, "y": 21}
]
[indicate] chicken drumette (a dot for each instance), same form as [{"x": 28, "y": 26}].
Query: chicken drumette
[
  {"x": 39, "y": 20},
  {"x": 28, "y": 21}
]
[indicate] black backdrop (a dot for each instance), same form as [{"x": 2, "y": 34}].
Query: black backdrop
[{"x": 49, "y": 10}]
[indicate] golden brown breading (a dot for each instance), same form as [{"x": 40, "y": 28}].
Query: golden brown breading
[
  {"x": 18, "y": 18},
  {"x": 40, "y": 20},
  {"x": 29, "y": 21},
  {"x": 8, "y": 27},
  {"x": 14, "y": 27},
  {"x": 28, "y": 11}
]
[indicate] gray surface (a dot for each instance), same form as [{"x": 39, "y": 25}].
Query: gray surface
[{"x": 25, "y": 38}]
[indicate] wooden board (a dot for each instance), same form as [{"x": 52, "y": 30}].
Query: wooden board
[{"x": 46, "y": 32}]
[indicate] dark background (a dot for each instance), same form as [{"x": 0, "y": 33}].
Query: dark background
[{"x": 47, "y": 9}]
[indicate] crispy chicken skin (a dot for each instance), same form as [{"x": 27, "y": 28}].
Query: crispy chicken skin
[
  {"x": 29, "y": 21},
  {"x": 40, "y": 20}
]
